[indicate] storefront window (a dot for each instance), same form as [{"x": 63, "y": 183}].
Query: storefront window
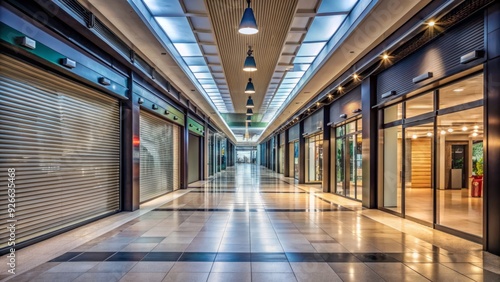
[
  {"x": 462, "y": 92},
  {"x": 314, "y": 158},
  {"x": 348, "y": 160},
  {"x": 436, "y": 174},
  {"x": 393, "y": 151},
  {"x": 393, "y": 113},
  {"x": 420, "y": 105},
  {"x": 460, "y": 170}
]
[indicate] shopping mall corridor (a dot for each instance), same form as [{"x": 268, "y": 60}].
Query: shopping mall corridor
[{"x": 250, "y": 224}]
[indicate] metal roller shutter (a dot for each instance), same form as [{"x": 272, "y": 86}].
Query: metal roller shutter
[
  {"x": 63, "y": 140},
  {"x": 159, "y": 171}
]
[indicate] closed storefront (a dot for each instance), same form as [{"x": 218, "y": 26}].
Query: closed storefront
[
  {"x": 196, "y": 131},
  {"x": 62, "y": 142},
  {"x": 159, "y": 164}
]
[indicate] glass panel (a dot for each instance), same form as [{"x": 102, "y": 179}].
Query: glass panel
[
  {"x": 359, "y": 168},
  {"x": 465, "y": 91},
  {"x": 393, "y": 113},
  {"x": 359, "y": 125},
  {"x": 460, "y": 171},
  {"x": 323, "y": 28},
  {"x": 420, "y": 105},
  {"x": 339, "y": 131},
  {"x": 418, "y": 172},
  {"x": 291, "y": 160},
  {"x": 392, "y": 168},
  {"x": 339, "y": 166},
  {"x": 319, "y": 159},
  {"x": 351, "y": 188},
  {"x": 296, "y": 160},
  {"x": 350, "y": 127}
]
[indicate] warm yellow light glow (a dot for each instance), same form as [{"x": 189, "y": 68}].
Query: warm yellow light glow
[
  {"x": 385, "y": 56},
  {"x": 464, "y": 128},
  {"x": 429, "y": 134},
  {"x": 355, "y": 76},
  {"x": 443, "y": 132},
  {"x": 340, "y": 88},
  {"x": 431, "y": 23},
  {"x": 414, "y": 136},
  {"x": 329, "y": 96},
  {"x": 474, "y": 134},
  {"x": 450, "y": 130},
  {"x": 476, "y": 127}
]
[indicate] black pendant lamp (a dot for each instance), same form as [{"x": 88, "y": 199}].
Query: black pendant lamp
[
  {"x": 249, "y": 112},
  {"x": 249, "y": 119},
  {"x": 250, "y": 64},
  {"x": 249, "y": 103},
  {"x": 248, "y": 24},
  {"x": 249, "y": 89}
]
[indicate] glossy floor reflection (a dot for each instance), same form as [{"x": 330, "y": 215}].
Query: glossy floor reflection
[{"x": 247, "y": 224}]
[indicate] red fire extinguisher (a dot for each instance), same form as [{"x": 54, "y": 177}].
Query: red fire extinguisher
[{"x": 477, "y": 186}]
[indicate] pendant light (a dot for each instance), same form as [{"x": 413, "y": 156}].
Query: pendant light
[
  {"x": 248, "y": 25},
  {"x": 249, "y": 119},
  {"x": 250, "y": 64},
  {"x": 249, "y": 103},
  {"x": 249, "y": 112},
  {"x": 249, "y": 89}
]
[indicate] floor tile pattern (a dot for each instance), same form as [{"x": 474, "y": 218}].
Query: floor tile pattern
[{"x": 248, "y": 224}]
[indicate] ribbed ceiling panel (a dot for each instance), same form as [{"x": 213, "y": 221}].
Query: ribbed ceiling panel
[{"x": 273, "y": 19}]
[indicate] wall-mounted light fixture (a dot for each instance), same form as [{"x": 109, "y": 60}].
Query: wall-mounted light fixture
[
  {"x": 104, "y": 81},
  {"x": 155, "y": 107},
  {"x": 71, "y": 64},
  {"x": 167, "y": 112},
  {"x": 355, "y": 111},
  {"x": 140, "y": 101},
  {"x": 343, "y": 116},
  {"x": 388, "y": 94},
  {"x": 27, "y": 42}
]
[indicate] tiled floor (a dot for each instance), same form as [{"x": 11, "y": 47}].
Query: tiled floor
[{"x": 247, "y": 224}]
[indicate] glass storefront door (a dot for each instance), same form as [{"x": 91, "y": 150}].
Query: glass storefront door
[
  {"x": 418, "y": 181},
  {"x": 296, "y": 160}
]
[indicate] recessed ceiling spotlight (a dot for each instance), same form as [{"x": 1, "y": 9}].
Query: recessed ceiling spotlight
[
  {"x": 476, "y": 127},
  {"x": 355, "y": 76},
  {"x": 429, "y": 134},
  {"x": 340, "y": 88},
  {"x": 385, "y": 56},
  {"x": 431, "y": 23},
  {"x": 458, "y": 90},
  {"x": 450, "y": 130},
  {"x": 474, "y": 134},
  {"x": 443, "y": 132},
  {"x": 414, "y": 136},
  {"x": 464, "y": 128}
]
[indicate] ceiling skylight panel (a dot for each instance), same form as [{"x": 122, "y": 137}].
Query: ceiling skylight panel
[
  {"x": 323, "y": 27},
  {"x": 203, "y": 75},
  {"x": 162, "y": 7},
  {"x": 336, "y": 6},
  {"x": 195, "y": 61},
  {"x": 188, "y": 49},
  {"x": 177, "y": 29},
  {"x": 303, "y": 60},
  {"x": 310, "y": 49},
  {"x": 195, "y": 69}
]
